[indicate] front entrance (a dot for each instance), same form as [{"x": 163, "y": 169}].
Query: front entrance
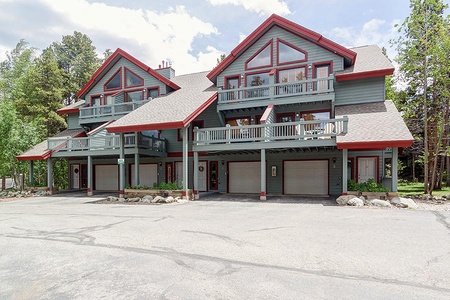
[
  {"x": 75, "y": 176},
  {"x": 202, "y": 176},
  {"x": 367, "y": 168}
]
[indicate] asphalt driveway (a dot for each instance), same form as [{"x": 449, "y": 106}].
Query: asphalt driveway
[{"x": 61, "y": 248}]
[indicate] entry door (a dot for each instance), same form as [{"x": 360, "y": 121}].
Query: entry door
[
  {"x": 179, "y": 173},
  {"x": 367, "y": 169},
  {"x": 75, "y": 171},
  {"x": 202, "y": 176},
  {"x": 322, "y": 72},
  {"x": 83, "y": 176}
]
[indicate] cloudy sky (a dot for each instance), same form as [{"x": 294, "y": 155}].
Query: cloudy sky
[{"x": 191, "y": 33}]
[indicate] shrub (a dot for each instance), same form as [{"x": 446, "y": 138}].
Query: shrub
[{"x": 369, "y": 186}]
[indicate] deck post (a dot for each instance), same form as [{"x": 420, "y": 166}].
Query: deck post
[
  {"x": 122, "y": 166},
  {"x": 185, "y": 162},
  {"x": 50, "y": 176},
  {"x": 262, "y": 196},
  {"x": 394, "y": 169},
  {"x": 344, "y": 171},
  {"x": 89, "y": 177},
  {"x": 31, "y": 173},
  {"x": 196, "y": 194},
  {"x": 137, "y": 180}
]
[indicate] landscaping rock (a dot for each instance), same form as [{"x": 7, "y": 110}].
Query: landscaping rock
[
  {"x": 136, "y": 199},
  {"x": 355, "y": 202},
  {"x": 404, "y": 202},
  {"x": 380, "y": 203},
  {"x": 170, "y": 199},
  {"x": 147, "y": 198},
  {"x": 158, "y": 199},
  {"x": 112, "y": 199},
  {"x": 122, "y": 200},
  {"x": 342, "y": 200}
]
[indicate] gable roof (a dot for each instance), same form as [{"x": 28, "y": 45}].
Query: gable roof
[
  {"x": 373, "y": 126},
  {"x": 370, "y": 62},
  {"x": 174, "y": 110},
  {"x": 109, "y": 63},
  {"x": 287, "y": 25}
]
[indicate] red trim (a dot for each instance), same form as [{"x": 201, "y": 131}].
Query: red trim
[
  {"x": 272, "y": 72},
  {"x": 270, "y": 42},
  {"x": 292, "y": 46},
  {"x": 111, "y": 78},
  {"x": 317, "y": 159},
  {"x": 167, "y": 178},
  {"x": 377, "y": 162},
  {"x": 155, "y": 87},
  {"x": 262, "y": 193},
  {"x": 64, "y": 111},
  {"x": 226, "y": 78},
  {"x": 96, "y": 96},
  {"x": 328, "y": 63},
  {"x": 183, "y": 193},
  {"x": 125, "y": 69},
  {"x": 374, "y": 144},
  {"x": 88, "y": 190},
  {"x": 344, "y": 194},
  {"x": 44, "y": 156},
  {"x": 100, "y": 127},
  {"x": 195, "y": 192},
  {"x": 290, "y": 26},
  {"x": 362, "y": 75},
  {"x": 112, "y": 60},
  {"x": 266, "y": 113}
]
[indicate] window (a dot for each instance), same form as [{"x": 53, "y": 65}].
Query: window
[
  {"x": 150, "y": 133},
  {"x": 285, "y": 117},
  {"x": 231, "y": 83},
  {"x": 238, "y": 122},
  {"x": 292, "y": 75},
  {"x": 288, "y": 53},
  {"x": 257, "y": 79},
  {"x": 134, "y": 96},
  {"x": 132, "y": 79},
  {"x": 321, "y": 115},
  {"x": 322, "y": 71},
  {"x": 115, "y": 82},
  {"x": 262, "y": 58},
  {"x": 153, "y": 92}
]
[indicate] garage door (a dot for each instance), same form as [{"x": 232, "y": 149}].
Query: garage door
[
  {"x": 244, "y": 177},
  {"x": 148, "y": 174},
  {"x": 306, "y": 177},
  {"x": 106, "y": 178}
]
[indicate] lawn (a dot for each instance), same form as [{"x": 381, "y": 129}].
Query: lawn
[{"x": 417, "y": 188}]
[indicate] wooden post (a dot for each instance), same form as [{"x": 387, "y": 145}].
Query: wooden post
[{"x": 49, "y": 176}]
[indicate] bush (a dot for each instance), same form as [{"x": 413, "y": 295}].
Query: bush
[
  {"x": 369, "y": 186},
  {"x": 162, "y": 186}
]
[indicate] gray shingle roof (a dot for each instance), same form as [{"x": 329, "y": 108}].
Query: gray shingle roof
[
  {"x": 174, "y": 108},
  {"x": 40, "y": 151},
  {"x": 372, "y": 123},
  {"x": 369, "y": 58},
  {"x": 77, "y": 104}
]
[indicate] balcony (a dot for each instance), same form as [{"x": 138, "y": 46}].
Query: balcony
[
  {"x": 103, "y": 113},
  {"x": 106, "y": 145},
  {"x": 309, "y": 90},
  {"x": 301, "y": 134}
]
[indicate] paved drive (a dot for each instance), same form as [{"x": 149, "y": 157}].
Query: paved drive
[{"x": 61, "y": 248}]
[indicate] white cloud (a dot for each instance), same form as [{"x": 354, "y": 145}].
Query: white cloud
[
  {"x": 241, "y": 37},
  {"x": 262, "y": 7},
  {"x": 148, "y": 35}
]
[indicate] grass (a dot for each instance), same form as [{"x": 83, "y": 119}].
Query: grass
[{"x": 417, "y": 188}]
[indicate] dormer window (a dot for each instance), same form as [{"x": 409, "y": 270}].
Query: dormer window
[
  {"x": 132, "y": 79},
  {"x": 288, "y": 53},
  {"x": 262, "y": 58},
  {"x": 115, "y": 82}
]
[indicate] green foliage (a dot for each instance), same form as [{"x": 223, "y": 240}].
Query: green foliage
[
  {"x": 369, "y": 186},
  {"x": 161, "y": 186}
]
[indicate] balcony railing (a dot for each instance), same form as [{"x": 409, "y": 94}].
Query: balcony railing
[
  {"x": 298, "y": 88},
  {"x": 109, "y": 110},
  {"x": 294, "y": 131},
  {"x": 109, "y": 142}
]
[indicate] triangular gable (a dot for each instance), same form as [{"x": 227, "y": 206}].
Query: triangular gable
[
  {"x": 109, "y": 63},
  {"x": 287, "y": 25}
]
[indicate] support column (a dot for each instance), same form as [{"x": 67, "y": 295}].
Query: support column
[
  {"x": 90, "y": 188},
  {"x": 344, "y": 171},
  {"x": 49, "y": 176},
  {"x": 196, "y": 194},
  {"x": 394, "y": 169},
  {"x": 262, "y": 196},
  {"x": 137, "y": 180},
  {"x": 185, "y": 163},
  {"x": 31, "y": 173},
  {"x": 122, "y": 166}
]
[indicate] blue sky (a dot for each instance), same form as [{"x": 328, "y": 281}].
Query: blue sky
[{"x": 192, "y": 33}]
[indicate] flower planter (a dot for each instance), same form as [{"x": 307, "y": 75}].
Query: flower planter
[{"x": 131, "y": 193}]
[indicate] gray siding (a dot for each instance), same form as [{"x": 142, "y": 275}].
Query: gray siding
[
  {"x": 360, "y": 91},
  {"x": 72, "y": 121},
  {"x": 316, "y": 54}
]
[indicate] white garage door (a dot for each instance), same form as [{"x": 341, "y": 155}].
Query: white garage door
[
  {"x": 244, "y": 177},
  {"x": 106, "y": 178},
  {"x": 148, "y": 174},
  {"x": 306, "y": 177}
]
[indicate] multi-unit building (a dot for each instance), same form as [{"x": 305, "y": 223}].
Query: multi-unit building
[{"x": 288, "y": 111}]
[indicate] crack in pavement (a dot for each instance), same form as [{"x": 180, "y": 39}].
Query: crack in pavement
[
  {"x": 177, "y": 256},
  {"x": 222, "y": 237},
  {"x": 269, "y": 228},
  {"x": 440, "y": 218}
]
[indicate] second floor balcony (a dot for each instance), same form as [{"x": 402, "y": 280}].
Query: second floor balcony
[
  {"x": 103, "y": 113},
  {"x": 308, "y": 90},
  {"x": 106, "y": 145}
]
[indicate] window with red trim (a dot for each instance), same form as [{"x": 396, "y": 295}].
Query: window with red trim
[
  {"x": 134, "y": 96},
  {"x": 153, "y": 93},
  {"x": 288, "y": 53},
  {"x": 114, "y": 82},
  {"x": 262, "y": 58},
  {"x": 132, "y": 79}
]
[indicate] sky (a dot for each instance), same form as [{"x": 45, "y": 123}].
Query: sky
[{"x": 192, "y": 34}]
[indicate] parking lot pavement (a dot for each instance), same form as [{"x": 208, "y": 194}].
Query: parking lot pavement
[{"x": 60, "y": 247}]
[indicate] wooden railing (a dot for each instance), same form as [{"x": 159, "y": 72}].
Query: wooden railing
[
  {"x": 110, "y": 110},
  {"x": 109, "y": 142},
  {"x": 297, "y": 88},
  {"x": 301, "y": 130}
]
